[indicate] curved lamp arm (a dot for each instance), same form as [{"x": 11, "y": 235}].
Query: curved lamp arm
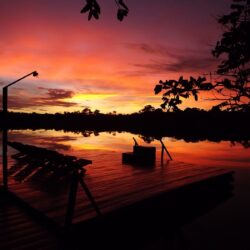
[{"x": 5, "y": 90}]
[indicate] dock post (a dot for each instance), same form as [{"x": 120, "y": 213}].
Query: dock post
[
  {"x": 162, "y": 154},
  {"x": 88, "y": 193},
  {"x": 5, "y": 157},
  {"x": 164, "y": 147},
  {"x": 71, "y": 201}
]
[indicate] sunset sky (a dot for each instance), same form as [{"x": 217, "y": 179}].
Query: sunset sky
[{"x": 105, "y": 64}]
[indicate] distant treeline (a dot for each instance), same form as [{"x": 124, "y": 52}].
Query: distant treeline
[{"x": 190, "y": 125}]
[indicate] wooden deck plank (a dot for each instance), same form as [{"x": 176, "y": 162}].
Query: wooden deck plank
[
  {"x": 20, "y": 231},
  {"x": 113, "y": 185},
  {"x": 98, "y": 188},
  {"x": 107, "y": 205},
  {"x": 122, "y": 186}
]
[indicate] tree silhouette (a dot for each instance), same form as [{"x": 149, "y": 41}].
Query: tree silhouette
[
  {"x": 147, "y": 108},
  {"x": 234, "y": 47},
  {"x": 94, "y": 9},
  {"x": 87, "y": 111}
]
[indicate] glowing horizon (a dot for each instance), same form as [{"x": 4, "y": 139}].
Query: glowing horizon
[{"x": 105, "y": 64}]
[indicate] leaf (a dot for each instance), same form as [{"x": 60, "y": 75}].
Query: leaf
[
  {"x": 170, "y": 83},
  {"x": 158, "y": 89},
  {"x": 97, "y": 7},
  {"x": 85, "y": 8},
  {"x": 123, "y": 4},
  {"x": 185, "y": 82},
  {"x": 168, "y": 93},
  {"x": 201, "y": 79},
  {"x": 163, "y": 105},
  {"x": 194, "y": 81},
  {"x": 171, "y": 102},
  {"x": 227, "y": 83},
  {"x": 90, "y": 15},
  {"x": 194, "y": 91},
  {"x": 206, "y": 86},
  {"x": 121, "y": 14},
  {"x": 176, "y": 84},
  {"x": 95, "y": 14}
]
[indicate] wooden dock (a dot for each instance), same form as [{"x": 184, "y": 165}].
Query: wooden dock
[
  {"x": 114, "y": 186},
  {"x": 20, "y": 230}
]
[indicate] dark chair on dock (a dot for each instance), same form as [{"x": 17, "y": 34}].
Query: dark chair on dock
[
  {"x": 144, "y": 155},
  {"x": 49, "y": 171}
]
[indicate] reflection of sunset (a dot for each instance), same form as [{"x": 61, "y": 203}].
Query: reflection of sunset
[{"x": 93, "y": 147}]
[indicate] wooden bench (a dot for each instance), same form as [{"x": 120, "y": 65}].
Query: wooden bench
[{"x": 43, "y": 164}]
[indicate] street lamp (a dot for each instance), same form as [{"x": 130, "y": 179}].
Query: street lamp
[
  {"x": 5, "y": 90},
  {"x": 5, "y": 129}
]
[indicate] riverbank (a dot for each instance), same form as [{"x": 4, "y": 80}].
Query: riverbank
[{"x": 190, "y": 126}]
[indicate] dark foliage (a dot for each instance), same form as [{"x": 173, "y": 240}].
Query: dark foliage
[
  {"x": 175, "y": 90},
  {"x": 199, "y": 125},
  {"x": 234, "y": 48},
  {"x": 122, "y": 10},
  {"x": 94, "y": 9}
]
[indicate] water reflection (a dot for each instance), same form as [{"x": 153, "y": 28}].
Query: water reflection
[
  {"x": 102, "y": 146},
  {"x": 92, "y": 145}
]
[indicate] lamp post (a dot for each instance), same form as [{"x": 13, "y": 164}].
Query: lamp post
[
  {"x": 5, "y": 90},
  {"x": 5, "y": 128}
]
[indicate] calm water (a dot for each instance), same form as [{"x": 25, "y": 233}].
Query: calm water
[
  {"x": 225, "y": 227},
  {"x": 90, "y": 145}
]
